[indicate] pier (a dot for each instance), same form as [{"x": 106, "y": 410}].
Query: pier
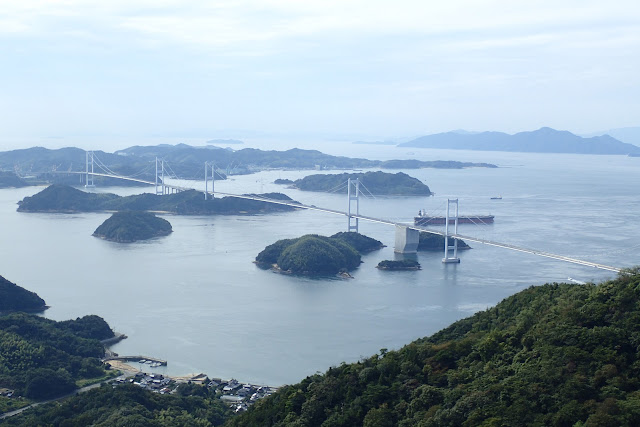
[{"x": 137, "y": 359}]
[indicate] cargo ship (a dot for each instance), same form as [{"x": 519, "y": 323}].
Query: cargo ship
[{"x": 440, "y": 220}]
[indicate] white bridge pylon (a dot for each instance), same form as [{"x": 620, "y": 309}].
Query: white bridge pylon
[
  {"x": 451, "y": 259},
  {"x": 352, "y": 220},
  {"x": 206, "y": 179},
  {"x": 88, "y": 181}
]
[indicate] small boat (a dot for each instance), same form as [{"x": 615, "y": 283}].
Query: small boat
[{"x": 496, "y": 198}]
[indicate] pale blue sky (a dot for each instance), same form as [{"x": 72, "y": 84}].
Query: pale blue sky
[{"x": 361, "y": 69}]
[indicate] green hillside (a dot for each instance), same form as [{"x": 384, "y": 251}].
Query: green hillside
[
  {"x": 42, "y": 358},
  {"x": 557, "y": 354}
]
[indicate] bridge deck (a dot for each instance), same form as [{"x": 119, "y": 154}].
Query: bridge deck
[{"x": 388, "y": 222}]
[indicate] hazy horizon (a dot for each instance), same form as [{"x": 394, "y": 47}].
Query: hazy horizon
[{"x": 318, "y": 70}]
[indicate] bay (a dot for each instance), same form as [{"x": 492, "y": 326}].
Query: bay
[{"x": 196, "y": 299}]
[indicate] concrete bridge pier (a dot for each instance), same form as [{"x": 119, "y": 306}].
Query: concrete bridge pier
[{"x": 406, "y": 240}]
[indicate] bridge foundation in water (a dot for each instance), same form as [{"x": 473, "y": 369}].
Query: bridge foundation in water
[{"x": 407, "y": 240}]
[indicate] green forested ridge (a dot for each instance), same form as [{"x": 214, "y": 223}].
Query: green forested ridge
[
  {"x": 129, "y": 405},
  {"x": 14, "y": 297},
  {"x": 557, "y": 354},
  {"x": 62, "y": 198},
  {"x": 41, "y": 358},
  {"x": 378, "y": 183},
  {"x": 130, "y": 226},
  {"x": 435, "y": 242},
  {"x": 314, "y": 254}
]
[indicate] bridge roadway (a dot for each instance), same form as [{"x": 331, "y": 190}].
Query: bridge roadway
[{"x": 389, "y": 222}]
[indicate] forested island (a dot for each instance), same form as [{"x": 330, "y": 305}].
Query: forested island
[
  {"x": 17, "y": 298},
  {"x": 377, "y": 183},
  {"x": 405, "y": 264},
  {"x": 435, "y": 242},
  {"x": 318, "y": 255},
  {"x": 66, "y": 199},
  {"x": 131, "y": 226}
]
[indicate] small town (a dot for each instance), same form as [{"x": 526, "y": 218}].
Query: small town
[{"x": 238, "y": 396}]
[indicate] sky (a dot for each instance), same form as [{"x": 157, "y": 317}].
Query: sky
[{"x": 314, "y": 68}]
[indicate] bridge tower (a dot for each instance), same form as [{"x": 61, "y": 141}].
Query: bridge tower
[
  {"x": 160, "y": 188},
  {"x": 451, "y": 259},
  {"x": 206, "y": 179},
  {"x": 353, "y": 197},
  {"x": 88, "y": 182}
]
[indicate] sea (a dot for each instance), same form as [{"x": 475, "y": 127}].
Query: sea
[{"x": 196, "y": 298}]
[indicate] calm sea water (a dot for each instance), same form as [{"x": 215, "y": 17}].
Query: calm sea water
[{"x": 196, "y": 299}]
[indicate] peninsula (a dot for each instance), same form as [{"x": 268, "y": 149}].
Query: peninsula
[{"x": 131, "y": 226}]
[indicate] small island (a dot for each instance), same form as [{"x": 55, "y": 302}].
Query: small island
[
  {"x": 317, "y": 255},
  {"x": 376, "y": 183},
  {"x": 17, "y": 298},
  {"x": 435, "y": 242},
  {"x": 131, "y": 226},
  {"x": 405, "y": 264},
  {"x": 283, "y": 181}
]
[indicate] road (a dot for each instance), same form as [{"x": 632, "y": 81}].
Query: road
[{"x": 77, "y": 391}]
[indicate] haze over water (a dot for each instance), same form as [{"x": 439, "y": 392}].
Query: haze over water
[{"x": 196, "y": 299}]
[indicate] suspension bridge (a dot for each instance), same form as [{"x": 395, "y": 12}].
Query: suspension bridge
[{"x": 407, "y": 235}]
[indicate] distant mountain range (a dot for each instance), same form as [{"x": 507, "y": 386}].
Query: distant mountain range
[
  {"x": 543, "y": 140},
  {"x": 630, "y": 135}
]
